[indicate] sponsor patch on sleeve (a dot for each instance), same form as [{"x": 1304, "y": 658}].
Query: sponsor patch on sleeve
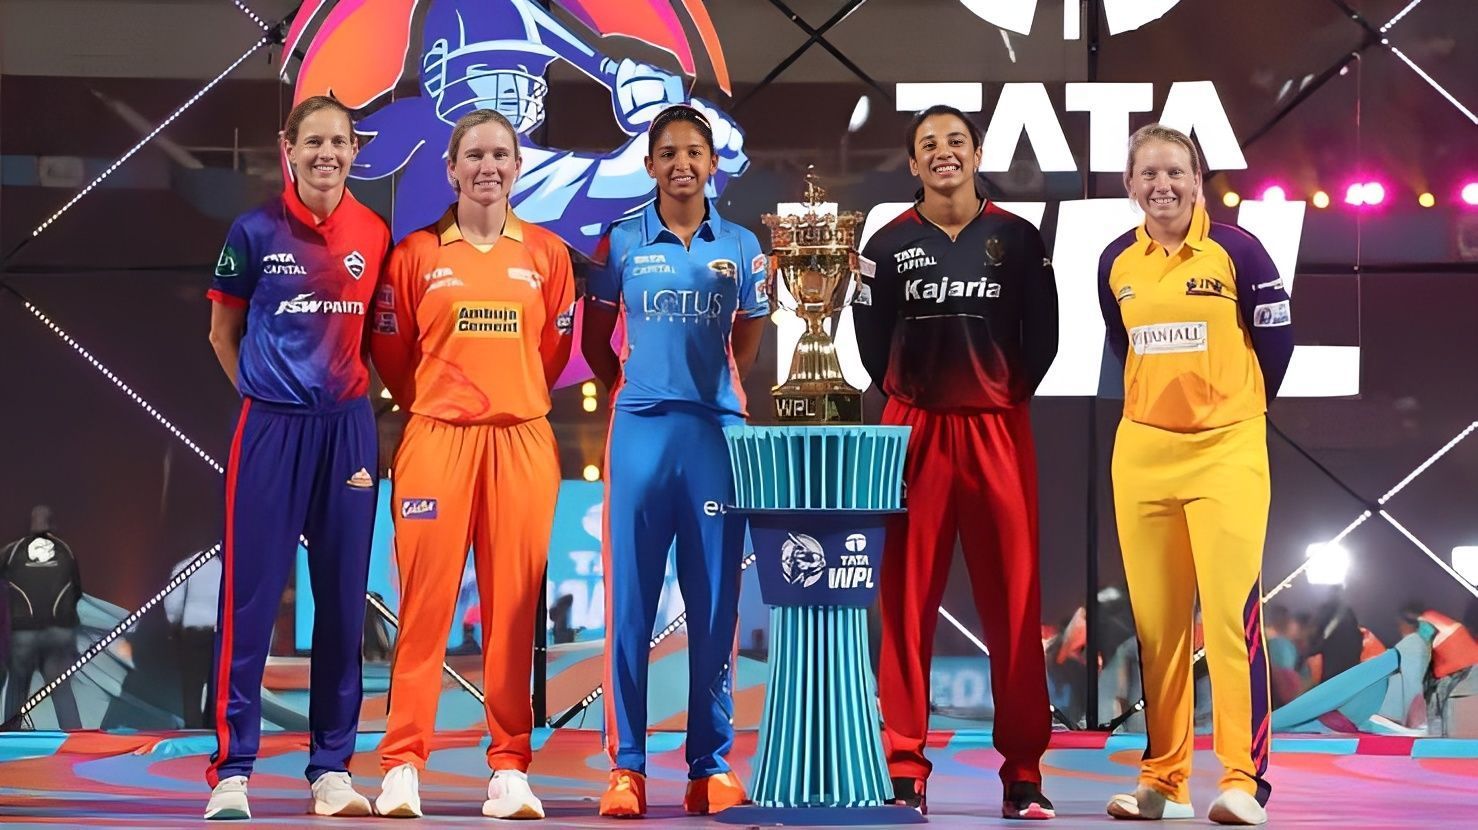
[
  {"x": 757, "y": 265},
  {"x": 1271, "y": 315},
  {"x": 385, "y": 323},
  {"x": 385, "y": 297},
  {"x": 759, "y": 294},
  {"x": 864, "y": 295},
  {"x": 866, "y": 267},
  {"x": 565, "y": 322}
]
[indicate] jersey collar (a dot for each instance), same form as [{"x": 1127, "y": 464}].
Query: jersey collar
[
  {"x": 1195, "y": 238},
  {"x": 448, "y": 231},
  {"x": 653, "y": 230},
  {"x": 300, "y": 211}
]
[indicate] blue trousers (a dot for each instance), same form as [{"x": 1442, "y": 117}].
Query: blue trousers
[
  {"x": 292, "y": 472},
  {"x": 668, "y": 477}
]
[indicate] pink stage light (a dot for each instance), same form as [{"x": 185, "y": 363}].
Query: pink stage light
[
  {"x": 1375, "y": 193},
  {"x": 1274, "y": 193},
  {"x": 1470, "y": 193},
  {"x": 1355, "y": 194}
]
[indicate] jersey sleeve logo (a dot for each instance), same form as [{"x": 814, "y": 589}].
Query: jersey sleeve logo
[
  {"x": 757, "y": 265},
  {"x": 385, "y": 323},
  {"x": 1272, "y": 315},
  {"x": 228, "y": 264},
  {"x": 354, "y": 264},
  {"x": 565, "y": 322},
  {"x": 1125, "y": 293}
]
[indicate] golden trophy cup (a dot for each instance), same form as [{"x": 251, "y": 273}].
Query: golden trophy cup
[{"x": 812, "y": 254}]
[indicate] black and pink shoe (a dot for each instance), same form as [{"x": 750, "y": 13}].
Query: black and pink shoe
[
  {"x": 909, "y": 792},
  {"x": 1024, "y": 800}
]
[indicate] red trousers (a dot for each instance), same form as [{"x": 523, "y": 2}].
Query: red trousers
[{"x": 972, "y": 475}]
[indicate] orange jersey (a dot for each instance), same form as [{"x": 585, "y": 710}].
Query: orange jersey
[{"x": 469, "y": 337}]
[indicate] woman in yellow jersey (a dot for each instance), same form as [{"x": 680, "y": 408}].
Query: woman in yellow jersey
[
  {"x": 471, "y": 329},
  {"x": 1199, "y": 316}
]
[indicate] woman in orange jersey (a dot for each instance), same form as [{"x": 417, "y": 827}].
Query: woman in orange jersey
[
  {"x": 471, "y": 330},
  {"x": 1198, "y": 313}
]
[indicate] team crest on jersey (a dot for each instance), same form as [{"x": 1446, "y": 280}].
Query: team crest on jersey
[
  {"x": 1126, "y": 293},
  {"x": 228, "y": 264},
  {"x": 418, "y": 508},
  {"x": 361, "y": 480},
  {"x": 354, "y": 264},
  {"x": 724, "y": 269},
  {"x": 1206, "y": 287},
  {"x": 995, "y": 252}
]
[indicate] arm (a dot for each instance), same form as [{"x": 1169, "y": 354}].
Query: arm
[
  {"x": 227, "y": 327},
  {"x": 559, "y": 312},
  {"x": 602, "y": 308},
  {"x": 1113, "y": 320},
  {"x": 394, "y": 336},
  {"x": 1265, "y": 311},
  {"x": 745, "y": 341},
  {"x": 875, "y": 311},
  {"x": 753, "y": 306},
  {"x": 1039, "y": 312}
]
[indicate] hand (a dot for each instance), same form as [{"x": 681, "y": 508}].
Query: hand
[
  {"x": 639, "y": 92},
  {"x": 728, "y": 139}
]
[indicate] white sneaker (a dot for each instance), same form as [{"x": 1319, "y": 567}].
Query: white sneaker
[
  {"x": 1147, "y": 804},
  {"x": 400, "y": 793},
  {"x": 228, "y": 800},
  {"x": 509, "y": 796},
  {"x": 334, "y": 795},
  {"x": 1235, "y": 806}
]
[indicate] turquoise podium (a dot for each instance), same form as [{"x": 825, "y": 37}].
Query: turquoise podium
[{"x": 817, "y": 499}]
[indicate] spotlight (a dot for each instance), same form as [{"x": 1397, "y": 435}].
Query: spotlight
[
  {"x": 1231, "y": 199},
  {"x": 589, "y": 404},
  {"x": 1465, "y": 562},
  {"x": 588, "y": 388},
  {"x": 1321, "y": 199},
  {"x": 1330, "y": 564},
  {"x": 1274, "y": 193},
  {"x": 1426, "y": 200},
  {"x": 1470, "y": 193},
  {"x": 1355, "y": 194},
  {"x": 591, "y": 473},
  {"x": 859, "y": 114},
  {"x": 1374, "y": 193}
]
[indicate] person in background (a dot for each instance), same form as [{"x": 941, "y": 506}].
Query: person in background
[
  {"x": 46, "y": 585},
  {"x": 191, "y": 610}
]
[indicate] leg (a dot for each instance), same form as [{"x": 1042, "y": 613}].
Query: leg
[
  {"x": 58, "y": 653},
  {"x": 1162, "y": 592},
  {"x": 709, "y": 552},
  {"x": 997, "y": 503},
  {"x": 1228, "y": 525},
  {"x": 195, "y": 645},
  {"x": 340, "y": 526},
  {"x": 24, "y": 660},
  {"x": 638, "y": 530},
  {"x": 916, "y": 559},
  {"x": 267, "y": 498},
  {"x": 435, "y": 490},
  {"x": 510, "y": 549}
]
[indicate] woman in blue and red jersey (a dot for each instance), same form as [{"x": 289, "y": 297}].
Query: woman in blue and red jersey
[{"x": 290, "y": 293}]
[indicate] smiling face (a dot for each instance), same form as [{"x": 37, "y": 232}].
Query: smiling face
[
  {"x": 485, "y": 164},
  {"x": 1163, "y": 181},
  {"x": 322, "y": 150},
  {"x": 943, "y": 155},
  {"x": 682, "y": 161}
]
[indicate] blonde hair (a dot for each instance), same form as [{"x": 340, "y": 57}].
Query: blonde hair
[
  {"x": 477, "y": 118},
  {"x": 1160, "y": 132}
]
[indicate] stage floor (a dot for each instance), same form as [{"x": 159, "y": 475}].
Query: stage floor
[{"x": 156, "y": 780}]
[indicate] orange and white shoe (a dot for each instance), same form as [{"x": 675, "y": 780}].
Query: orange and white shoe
[
  {"x": 626, "y": 796},
  {"x": 714, "y": 794}
]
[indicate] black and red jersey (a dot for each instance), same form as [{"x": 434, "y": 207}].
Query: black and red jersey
[{"x": 958, "y": 325}]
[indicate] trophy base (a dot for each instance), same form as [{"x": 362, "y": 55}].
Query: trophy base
[{"x": 796, "y": 407}]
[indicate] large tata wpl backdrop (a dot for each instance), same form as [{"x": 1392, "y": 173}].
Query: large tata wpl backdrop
[{"x": 497, "y": 54}]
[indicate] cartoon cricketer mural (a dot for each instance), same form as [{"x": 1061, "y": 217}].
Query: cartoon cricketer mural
[{"x": 493, "y": 54}]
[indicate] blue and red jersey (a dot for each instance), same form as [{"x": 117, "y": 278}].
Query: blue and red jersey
[{"x": 307, "y": 287}]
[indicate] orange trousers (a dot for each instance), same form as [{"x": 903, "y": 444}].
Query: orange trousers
[{"x": 492, "y": 488}]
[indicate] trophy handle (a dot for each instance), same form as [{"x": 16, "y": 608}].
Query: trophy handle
[{"x": 772, "y": 284}]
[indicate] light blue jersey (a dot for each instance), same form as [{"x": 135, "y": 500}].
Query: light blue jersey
[{"x": 679, "y": 306}]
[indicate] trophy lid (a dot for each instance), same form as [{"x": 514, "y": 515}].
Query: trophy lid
[{"x": 813, "y": 222}]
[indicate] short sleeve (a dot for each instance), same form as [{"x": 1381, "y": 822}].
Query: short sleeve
[
  {"x": 236, "y": 272},
  {"x": 603, "y": 279},
  {"x": 752, "y": 299}
]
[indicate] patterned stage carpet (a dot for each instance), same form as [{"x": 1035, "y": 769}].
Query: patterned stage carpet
[{"x": 156, "y": 780}]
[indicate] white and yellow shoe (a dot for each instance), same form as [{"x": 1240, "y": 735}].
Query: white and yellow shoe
[
  {"x": 509, "y": 796},
  {"x": 1148, "y": 804},
  {"x": 334, "y": 795},
  {"x": 228, "y": 800},
  {"x": 400, "y": 793},
  {"x": 1235, "y": 806}
]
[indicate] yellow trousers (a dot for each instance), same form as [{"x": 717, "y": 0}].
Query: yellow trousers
[{"x": 1192, "y": 513}]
